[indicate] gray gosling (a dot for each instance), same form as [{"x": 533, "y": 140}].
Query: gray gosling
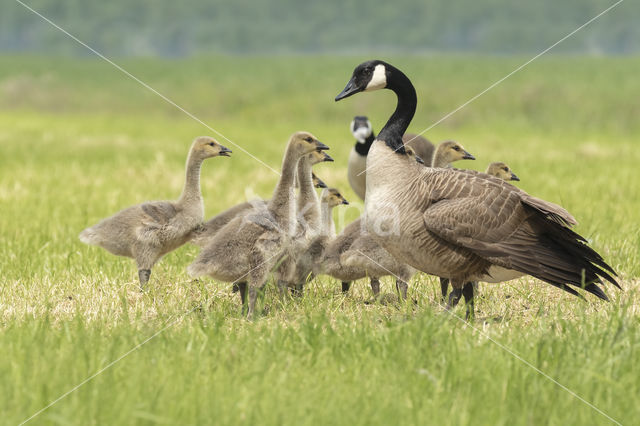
[
  {"x": 502, "y": 171},
  {"x": 148, "y": 231},
  {"x": 249, "y": 247},
  {"x": 449, "y": 152}
]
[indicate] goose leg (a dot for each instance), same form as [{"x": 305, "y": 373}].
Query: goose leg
[
  {"x": 402, "y": 287},
  {"x": 375, "y": 287},
  {"x": 346, "y": 285},
  {"x": 467, "y": 292},
  {"x": 143, "y": 275},
  {"x": 253, "y": 297},
  {"x": 444, "y": 287},
  {"x": 454, "y": 297}
]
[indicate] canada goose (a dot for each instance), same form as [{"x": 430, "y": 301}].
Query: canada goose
[
  {"x": 148, "y": 231},
  {"x": 246, "y": 249},
  {"x": 502, "y": 171},
  {"x": 449, "y": 152},
  {"x": 363, "y": 132},
  {"x": 207, "y": 230},
  {"x": 462, "y": 224}
]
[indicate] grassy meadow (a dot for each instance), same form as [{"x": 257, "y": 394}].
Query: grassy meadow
[{"x": 79, "y": 141}]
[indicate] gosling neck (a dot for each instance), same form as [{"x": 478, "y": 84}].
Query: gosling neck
[
  {"x": 281, "y": 204},
  {"x": 439, "y": 159},
  {"x": 363, "y": 148},
  {"x": 308, "y": 199},
  {"x": 191, "y": 192},
  {"x": 399, "y": 121},
  {"x": 328, "y": 227}
]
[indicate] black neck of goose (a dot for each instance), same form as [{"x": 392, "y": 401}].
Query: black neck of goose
[
  {"x": 395, "y": 128},
  {"x": 362, "y": 148}
]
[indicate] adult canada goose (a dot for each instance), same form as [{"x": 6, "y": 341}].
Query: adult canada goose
[
  {"x": 246, "y": 249},
  {"x": 461, "y": 224},
  {"x": 363, "y": 133},
  {"x": 148, "y": 231},
  {"x": 207, "y": 230}
]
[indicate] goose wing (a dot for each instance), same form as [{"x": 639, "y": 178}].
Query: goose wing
[
  {"x": 512, "y": 229},
  {"x": 156, "y": 216}
]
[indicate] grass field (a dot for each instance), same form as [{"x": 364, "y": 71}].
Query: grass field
[{"x": 79, "y": 141}]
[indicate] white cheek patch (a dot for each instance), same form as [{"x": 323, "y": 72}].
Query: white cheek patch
[{"x": 378, "y": 80}]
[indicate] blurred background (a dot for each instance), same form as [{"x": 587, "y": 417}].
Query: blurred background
[{"x": 176, "y": 29}]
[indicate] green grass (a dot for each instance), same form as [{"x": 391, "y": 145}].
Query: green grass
[{"x": 79, "y": 141}]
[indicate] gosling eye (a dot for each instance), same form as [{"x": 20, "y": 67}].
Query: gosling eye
[
  {"x": 457, "y": 148},
  {"x": 506, "y": 169},
  {"x": 308, "y": 139},
  {"x": 211, "y": 144}
]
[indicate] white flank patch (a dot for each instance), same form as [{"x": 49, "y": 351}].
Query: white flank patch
[{"x": 379, "y": 78}]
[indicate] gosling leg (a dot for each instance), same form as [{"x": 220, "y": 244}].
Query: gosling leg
[
  {"x": 241, "y": 288},
  {"x": 454, "y": 298},
  {"x": 401, "y": 287},
  {"x": 143, "y": 276},
  {"x": 346, "y": 285},
  {"x": 375, "y": 287}
]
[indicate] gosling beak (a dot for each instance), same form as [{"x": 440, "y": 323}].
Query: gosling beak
[
  {"x": 224, "y": 151},
  {"x": 350, "y": 89},
  {"x": 320, "y": 184},
  {"x": 419, "y": 160},
  {"x": 514, "y": 177},
  {"x": 327, "y": 157},
  {"x": 345, "y": 202},
  {"x": 320, "y": 146},
  {"x": 468, "y": 156}
]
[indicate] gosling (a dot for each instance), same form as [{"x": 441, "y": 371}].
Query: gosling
[{"x": 148, "y": 231}]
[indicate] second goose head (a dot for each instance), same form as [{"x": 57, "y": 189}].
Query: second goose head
[
  {"x": 206, "y": 147},
  {"x": 501, "y": 170}
]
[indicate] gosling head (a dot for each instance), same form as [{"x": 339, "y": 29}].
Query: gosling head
[
  {"x": 368, "y": 76},
  {"x": 333, "y": 198},
  {"x": 305, "y": 143},
  {"x": 451, "y": 151},
  {"x": 502, "y": 171},
  {"x": 317, "y": 182},
  {"x": 412, "y": 154},
  {"x": 319, "y": 156},
  {"x": 361, "y": 128},
  {"x": 207, "y": 147}
]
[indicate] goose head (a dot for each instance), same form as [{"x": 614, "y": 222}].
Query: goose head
[
  {"x": 333, "y": 198},
  {"x": 502, "y": 171},
  {"x": 207, "y": 147},
  {"x": 317, "y": 182},
  {"x": 361, "y": 128},
  {"x": 368, "y": 76},
  {"x": 302, "y": 143},
  {"x": 412, "y": 154},
  {"x": 452, "y": 151},
  {"x": 319, "y": 156}
]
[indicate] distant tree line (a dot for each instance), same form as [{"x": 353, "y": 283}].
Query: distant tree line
[{"x": 185, "y": 27}]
